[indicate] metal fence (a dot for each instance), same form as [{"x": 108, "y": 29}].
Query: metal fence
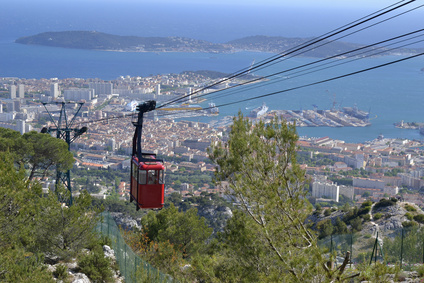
[
  {"x": 132, "y": 267},
  {"x": 403, "y": 246}
]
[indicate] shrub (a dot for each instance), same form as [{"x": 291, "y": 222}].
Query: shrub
[
  {"x": 419, "y": 218},
  {"x": 327, "y": 212},
  {"x": 366, "y": 203},
  {"x": 410, "y": 208},
  {"x": 407, "y": 224},
  {"x": 61, "y": 272},
  {"x": 377, "y": 216},
  {"x": 96, "y": 266},
  {"x": 366, "y": 217},
  {"x": 364, "y": 210},
  {"x": 384, "y": 203},
  {"x": 409, "y": 216}
]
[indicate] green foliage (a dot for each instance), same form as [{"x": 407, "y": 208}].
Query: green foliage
[
  {"x": 393, "y": 172},
  {"x": 185, "y": 230},
  {"x": 63, "y": 230},
  {"x": 409, "y": 224},
  {"x": 410, "y": 208},
  {"x": 377, "y": 216},
  {"x": 327, "y": 212},
  {"x": 411, "y": 245},
  {"x": 38, "y": 152},
  {"x": 61, "y": 272},
  {"x": 384, "y": 203},
  {"x": 325, "y": 228},
  {"x": 259, "y": 163},
  {"x": 419, "y": 218},
  {"x": 377, "y": 272},
  {"x": 409, "y": 216},
  {"x": 356, "y": 224},
  {"x": 19, "y": 266},
  {"x": 96, "y": 266}
]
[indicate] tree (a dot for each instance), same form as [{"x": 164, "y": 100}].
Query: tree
[
  {"x": 43, "y": 152},
  {"x": 259, "y": 163},
  {"x": 185, "y": 230},
  {"x": 64, "y": 231},
  {"x": 38, "y": 152}
]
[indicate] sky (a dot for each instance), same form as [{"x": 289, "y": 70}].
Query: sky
[{"x": 213, "y": 20}]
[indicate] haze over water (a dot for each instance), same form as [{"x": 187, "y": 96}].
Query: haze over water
[{"x": 392, "y": 93}]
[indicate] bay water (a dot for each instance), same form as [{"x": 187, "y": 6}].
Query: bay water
[{"x": 391, "y": 93}]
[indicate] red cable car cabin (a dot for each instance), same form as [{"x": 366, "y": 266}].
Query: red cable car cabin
[{"x": 147, "y": 182}]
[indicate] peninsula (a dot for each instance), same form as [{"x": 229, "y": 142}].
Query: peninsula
[{"x": 94, "y": 40}]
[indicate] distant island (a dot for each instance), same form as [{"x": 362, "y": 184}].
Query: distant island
[{"x": 94, "y": 40}]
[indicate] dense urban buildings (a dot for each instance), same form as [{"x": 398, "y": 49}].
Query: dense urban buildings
[{"x": 338, "y": 171}]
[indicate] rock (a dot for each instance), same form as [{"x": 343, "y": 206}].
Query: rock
[
  {"x": 80, "y": 278},
  {"x": 126, "y": 222},
  {"x": 109, "y": 252}
]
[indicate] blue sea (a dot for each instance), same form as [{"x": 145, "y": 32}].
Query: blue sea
[{"x": 391, "y": 93}]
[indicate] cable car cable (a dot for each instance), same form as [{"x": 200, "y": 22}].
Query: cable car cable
[{"x": 300, "y": 47}]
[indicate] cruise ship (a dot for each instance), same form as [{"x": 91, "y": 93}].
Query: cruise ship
[{"x": 258, "y": 112}]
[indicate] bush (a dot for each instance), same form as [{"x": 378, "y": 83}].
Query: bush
[
  {"x": 96, "y": 266},
  {"x": 409, "y": 216},
  {"x": 327, "y": 212},
  {"x": 61, "y": 272},
  {"x": 410, "y": 208},
  {"x": 384, "y": 203},
  {"x": 419, "y": 218},
  {"x": 407, "y": 224},
  {"x": 377, "y": 216},
  {"x": 366, "y": 203},
  {"x": 366, "y": 217},
  {"x": 364, "y": 210}
]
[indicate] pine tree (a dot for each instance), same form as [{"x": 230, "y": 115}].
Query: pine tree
[{"x": 259, "y": 164}]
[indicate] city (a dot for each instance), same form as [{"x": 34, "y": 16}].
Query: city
[{"x": 370, "y": 170}]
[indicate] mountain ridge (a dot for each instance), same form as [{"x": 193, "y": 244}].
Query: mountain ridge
[{"x": 94, "y": 40}]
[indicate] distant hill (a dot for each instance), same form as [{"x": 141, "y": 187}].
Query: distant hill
[{"x": 103, "y": 41}]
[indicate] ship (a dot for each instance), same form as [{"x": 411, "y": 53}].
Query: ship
[
  {"x": 355, "y": 112},
  {"x": 212, "y": 109},
  {"x": 259, "y": 111}
]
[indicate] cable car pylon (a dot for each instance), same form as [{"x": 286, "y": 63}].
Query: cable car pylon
[{"x": 65, "y": 131}]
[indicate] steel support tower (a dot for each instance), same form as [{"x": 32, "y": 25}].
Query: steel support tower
[{"x": 66, "y": 131}]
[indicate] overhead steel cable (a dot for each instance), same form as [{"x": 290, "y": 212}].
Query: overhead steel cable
[
  {"x": 275, "y": 92},
  {"x": 239, "y": 87},
  {"x": 300, "y": 47},
  {"x": 323, "y": 81},
  {"x": 341, "y": 37}
]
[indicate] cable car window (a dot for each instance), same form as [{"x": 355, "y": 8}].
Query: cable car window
[
  {"x": 142, "y": 177},
  {"x": 134, "y": 170},
  {"x": 161, "y": 179},
  {"x": 152, "y": 177}
]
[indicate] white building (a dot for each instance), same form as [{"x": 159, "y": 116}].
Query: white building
[
  {"x": 12, "y": 92},
  {"x": 78, "y": 94},
  {"x": 101, "y": 88},
  {"x": 326, "y": 190},
  {"x": 54, "y": 90},
  {"x": 368, "y": 183},
  {"x": 21, "y": 91}
]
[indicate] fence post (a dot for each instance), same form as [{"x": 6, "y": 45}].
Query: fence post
[
  {"x": 135, "y": 268},
  {"x": 108, "y": 224},
  {"x": 125, "y": 261},
  {"x": 351, "y": 247},
  {"x": 376, "y": 248},
  {"x": 423, "y": 249},
  {"x": 401, "y": 250}
]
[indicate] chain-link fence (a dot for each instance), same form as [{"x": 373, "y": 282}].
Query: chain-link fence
[
  {"x": 401, "y": 246},
  {"x": 132, "y": 267}
]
